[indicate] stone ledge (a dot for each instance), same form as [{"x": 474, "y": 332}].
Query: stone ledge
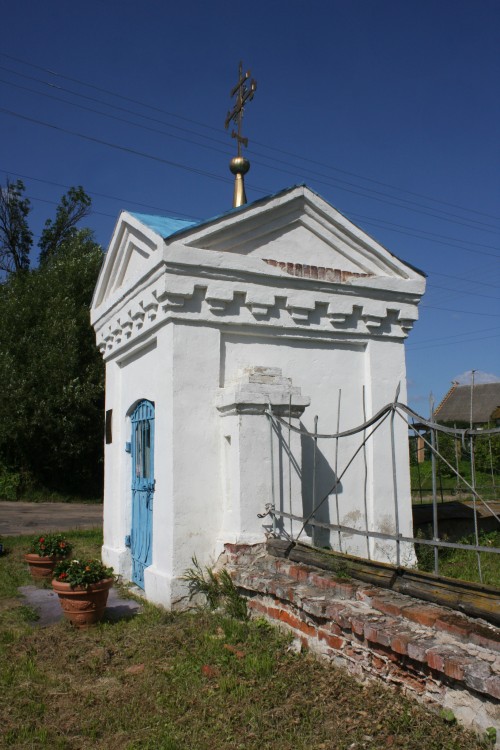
[{"x": 431, "y": 652}]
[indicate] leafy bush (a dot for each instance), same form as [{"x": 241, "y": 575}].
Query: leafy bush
[{"x": 10, "y": 484}]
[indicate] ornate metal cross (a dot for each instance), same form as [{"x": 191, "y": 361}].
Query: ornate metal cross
[{"x": 244, "y": 94}]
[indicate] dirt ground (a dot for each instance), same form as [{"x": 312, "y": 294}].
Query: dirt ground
[{"x": 31, "y": 518}]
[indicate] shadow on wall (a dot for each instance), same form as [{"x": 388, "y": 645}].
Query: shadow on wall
[
  {"x": 313, "y": 475},
  {"x": 318, "y": 477}
]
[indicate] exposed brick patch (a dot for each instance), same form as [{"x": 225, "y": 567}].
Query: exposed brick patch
[
  {"x": 316, "y": 272},
  {"x": 486, "y": 636},
  {"x": 423, "y": 614},
  {"x": 390, "y": 604},
  {"x": 315, "y": 606},
  {"x": 429, "y": 651},
  {"x": 417, "y": 648},
  {"x": 334, "y": 641},
  {"x": 378, "y": 632},
  {"x": 456, "y": 624},
  {"x": 399, "y": 643},
  {"x": 339, "y": 614},
  {"x": 435, "y": 659},
  {"x": 294, "y": 622},
  {"x": 454, "y": 667}
]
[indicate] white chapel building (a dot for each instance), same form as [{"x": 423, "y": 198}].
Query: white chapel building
[{"x": 282, "y": 304}]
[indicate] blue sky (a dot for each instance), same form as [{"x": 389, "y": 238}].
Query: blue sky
[{"x": 388, "y": 109}]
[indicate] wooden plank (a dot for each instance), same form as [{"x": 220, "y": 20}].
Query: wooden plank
[{"x": 473, "y": 599}]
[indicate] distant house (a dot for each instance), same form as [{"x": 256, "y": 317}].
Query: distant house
[{"x": 484, "y": 399}]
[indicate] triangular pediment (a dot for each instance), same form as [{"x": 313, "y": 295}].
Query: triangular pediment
[
  {"x": 293, "y": 233},
  {"x": 134, "y": 249},
  {"x": 297, "y": 227}
]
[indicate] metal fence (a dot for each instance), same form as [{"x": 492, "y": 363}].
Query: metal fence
[{"x": 428, "y": 433}]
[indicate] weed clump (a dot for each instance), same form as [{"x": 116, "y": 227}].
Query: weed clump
[{"x": 217, "y": 588}]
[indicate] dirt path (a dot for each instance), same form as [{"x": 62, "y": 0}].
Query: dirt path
[{"x": 30, "y": 518}]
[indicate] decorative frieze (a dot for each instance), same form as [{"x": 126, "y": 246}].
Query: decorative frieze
[{"x": 245, "y": 304}]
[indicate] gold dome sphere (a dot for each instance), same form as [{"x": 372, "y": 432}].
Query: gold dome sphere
[{"x": 239, "y": 165}]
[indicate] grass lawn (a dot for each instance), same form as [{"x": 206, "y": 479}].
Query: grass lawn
[
  {"x": 448, "y": 485},
  {"x": 462, "y": 564},
  {"x": 186, "y": 682}
]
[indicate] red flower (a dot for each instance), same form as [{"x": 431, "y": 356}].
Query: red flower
[
  {"x": 62, "y": 575},
  {"x": 42, "y": 539},
  {"x": 62, "y": 544}
]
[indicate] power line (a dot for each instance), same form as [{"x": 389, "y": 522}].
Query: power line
[
  {"x": 56, "y": 203},
  {"x": 440, "y": 242},
  {"x": 263, "y": 145},
  {"x": 464, "y": 291},
  {"x": 465, "y": 312},
  {"x": 227, "y": 180},
  {"x": 462, "y": 278},
  {"x": 162, "y": 208},
  {"x": 459, "y": 336},
  {"x": 389, "y": 224},
  {"x": 112, "y": 106},
  {"x": 171, "y": 211},
  {"x": 452, "y": 343},
  {"x": 335, "y": 182},
  {"x": 135, "y": 152}
]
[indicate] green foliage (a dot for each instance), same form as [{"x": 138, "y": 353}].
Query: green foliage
[
  {"x": 81, "y": 572},
  {"x": 10, "y": 483},
  {"x": 491, "y": 735},
  {"x": 448, "y": 715},
  {"x": 46, "y": 545},
  {"x": 462, "y": 563},
  {"x": 218, "y": 589},
  {"x": 15, "y": 235},
  {"x": 51, "y": 373},
  {"x": 487, "y": 453},
  {"x": 74, "y": 206},
  {"x": 448, "y": 449}
]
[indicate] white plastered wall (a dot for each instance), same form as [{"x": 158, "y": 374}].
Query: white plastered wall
[
  {"x": 321, "y": 368},
  {"x": 143, "y": 373}
]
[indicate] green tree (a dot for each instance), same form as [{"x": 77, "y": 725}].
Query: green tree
[
  {"x": 15, "y": 235},
  {"x": 51, "y": 373},
  {"x": 74, "y": 206},
  {"x": 487, "y": 453}
]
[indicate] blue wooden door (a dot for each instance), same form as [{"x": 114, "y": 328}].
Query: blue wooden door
[{"x": 143, "y": 487}]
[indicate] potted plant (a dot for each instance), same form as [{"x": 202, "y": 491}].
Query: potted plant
[
  {"x": 45, "y": 551},
  {"x": 82, "y": 587}
]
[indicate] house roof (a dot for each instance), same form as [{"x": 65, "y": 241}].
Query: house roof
[{"x": 456, "y": 405}]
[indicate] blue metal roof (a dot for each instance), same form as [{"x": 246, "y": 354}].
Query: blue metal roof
[
  {"x": 167, "y": 226},
  {"x": 164, "y": 225}
]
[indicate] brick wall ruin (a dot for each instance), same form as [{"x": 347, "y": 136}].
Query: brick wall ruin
[{"x": 442, "y": 658}]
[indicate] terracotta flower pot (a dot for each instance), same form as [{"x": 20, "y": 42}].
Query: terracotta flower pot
[
  {"x": 83, "y": 606},
  {"x": 41, "y": 567}
]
